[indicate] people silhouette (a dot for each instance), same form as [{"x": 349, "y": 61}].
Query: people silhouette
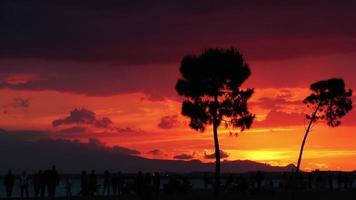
[
  {"x": 92, "y": 183},
  {"x": 53, "y": 181},
  {"x": 37, "y": 183},
  {"x": 24, "y": 185},
  {"x": 9, "y": 183},
  {"x": 106, "y": 185},
  {"x": 84, "y": 184},
  {"x": 156, "y": 184}
]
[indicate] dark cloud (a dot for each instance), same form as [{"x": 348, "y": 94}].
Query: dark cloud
[
  {"x": 112, "y": 30},
  {"x": 223, "y": 155},
  {"x": 169, "y": 122},
  {"x": 83, "y": 116},
  {"x": 53, "y": 44},
  {"x": 183, "y": 157},
  {"x": 155, "y": 152},
  {"x": 73, "y": 130},
  {"x": 76, "y": 77}
]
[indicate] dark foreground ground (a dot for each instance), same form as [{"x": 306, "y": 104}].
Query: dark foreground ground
[{"x": 202, "y": 195}]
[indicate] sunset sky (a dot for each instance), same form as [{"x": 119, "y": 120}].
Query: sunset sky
[{"x": 107, "y": 70}]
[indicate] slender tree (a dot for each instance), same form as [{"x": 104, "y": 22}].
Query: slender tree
[
  {"x": 329, "y": 101},
  {"x": 210, "y": 86}
]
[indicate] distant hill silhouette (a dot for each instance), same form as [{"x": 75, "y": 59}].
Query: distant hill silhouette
[{"x": 19, "y": 154}]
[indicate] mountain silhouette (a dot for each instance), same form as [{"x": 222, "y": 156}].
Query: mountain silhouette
[{"x": 74, "y": 156}]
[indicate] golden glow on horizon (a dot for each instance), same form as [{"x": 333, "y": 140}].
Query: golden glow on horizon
[{"x": 327, "y": 148}]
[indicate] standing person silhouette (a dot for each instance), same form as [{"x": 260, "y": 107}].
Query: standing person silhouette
[
  {"x": 106, "y": 188},
  {"x": 84, "y": 184},
  {"x": 37, "y": 183},
  {"x": 53, "y": 182},
  {"x": 92, "y": 183},
  {"x": 24, "y": 185},
  {"x": 9, "y": 183}
]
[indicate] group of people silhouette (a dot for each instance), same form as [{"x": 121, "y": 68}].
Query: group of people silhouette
[
  {"x": 41, "y": 181},
  {"x": 148, "y": 186}
]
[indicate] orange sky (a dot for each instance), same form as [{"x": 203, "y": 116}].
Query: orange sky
[{"x": 273, "y": 142}]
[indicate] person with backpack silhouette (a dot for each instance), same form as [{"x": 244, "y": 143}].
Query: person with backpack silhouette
[{"x": 9, "y": 182}]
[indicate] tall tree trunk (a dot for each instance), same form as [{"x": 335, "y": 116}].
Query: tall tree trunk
[
  {"x": 217, "y": 152},
  {"x": 305, "y": 138},
  {"x": 217, "y": 162}
]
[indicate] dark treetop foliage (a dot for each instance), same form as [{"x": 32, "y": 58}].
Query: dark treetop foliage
[
  {"x": 332, "y": 100},
  {"x": 210, "y": 86}
]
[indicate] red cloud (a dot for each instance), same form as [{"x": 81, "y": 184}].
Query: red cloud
[
  {"x": 83, "y": 116},
  {"x": 223, "y": 155}
]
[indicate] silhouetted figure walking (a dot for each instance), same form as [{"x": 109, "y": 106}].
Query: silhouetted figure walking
[
  {"x": 24, "y": 185},
  {"x": 84, "y": 184},
  {"x": 106, "y": 188},
  {"x": 156, "y": 184},
  {"x": 92, "y": 183},
  {"x": 9, "y": 183}
]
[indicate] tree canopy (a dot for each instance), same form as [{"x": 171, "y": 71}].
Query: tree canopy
[
  {"x": 211, "y": 84},
  {"x": 332, "y": 99}
]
